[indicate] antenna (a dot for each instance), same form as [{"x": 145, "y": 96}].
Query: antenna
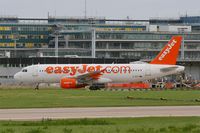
[
  {"x": 55, "y": 13},
  {"x": 85, "y": 9}
]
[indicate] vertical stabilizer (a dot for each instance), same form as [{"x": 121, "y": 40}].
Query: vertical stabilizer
[{"x": 168, "y": 55}]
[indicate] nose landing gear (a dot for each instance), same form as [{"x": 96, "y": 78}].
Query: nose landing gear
[{"x": 37, "y": 87}]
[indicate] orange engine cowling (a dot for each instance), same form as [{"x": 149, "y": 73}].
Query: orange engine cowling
[{"x": 70, "y": 83}]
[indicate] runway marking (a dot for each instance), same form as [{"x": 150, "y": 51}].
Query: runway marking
[{"x": 98, "y": 112}]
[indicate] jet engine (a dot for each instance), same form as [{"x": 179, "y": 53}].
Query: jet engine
[{"x": 70, "y": 83}]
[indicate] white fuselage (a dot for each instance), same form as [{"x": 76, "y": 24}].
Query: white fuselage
[{"x": 53, "y": 73}]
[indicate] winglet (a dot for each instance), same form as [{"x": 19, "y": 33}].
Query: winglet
[{"x": 169, "y": 53}]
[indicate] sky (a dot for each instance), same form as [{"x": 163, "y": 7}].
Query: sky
[{"x": 113, "y": 9}]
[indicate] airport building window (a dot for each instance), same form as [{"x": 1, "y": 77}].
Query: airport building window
[
  {"x": 101, "y": 45},
  {"x": 127, "y": 45},
  {"x": 114, "y": 46}
]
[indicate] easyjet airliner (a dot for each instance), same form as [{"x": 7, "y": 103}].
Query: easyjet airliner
[{"x": 80, "y": 75}]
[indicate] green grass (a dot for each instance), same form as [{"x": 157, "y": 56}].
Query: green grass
[
  {"x": 47, "y": 98},
  {"x": 109, "y": 125}
]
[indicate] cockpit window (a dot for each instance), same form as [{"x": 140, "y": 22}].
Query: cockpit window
[{"x": 24, "y": 70}]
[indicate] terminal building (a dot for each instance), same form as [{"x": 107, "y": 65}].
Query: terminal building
[
  {"x": 24, "y": 37},
  {"x": 98, "y": 38}
]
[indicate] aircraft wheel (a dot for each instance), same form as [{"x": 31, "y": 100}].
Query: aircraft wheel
[{"x": 94, "y": 88}]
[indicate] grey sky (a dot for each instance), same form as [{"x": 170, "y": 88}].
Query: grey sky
[{"x": 135, "y": 9}]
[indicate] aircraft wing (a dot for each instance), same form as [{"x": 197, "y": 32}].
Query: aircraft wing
[
  {"x": 167, "y": 69},
  {"x": 89, "y": 77}
]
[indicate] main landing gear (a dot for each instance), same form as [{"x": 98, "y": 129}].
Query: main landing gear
[
  {"x": 97, "y": 86},
  {"x": 37, "y": 87},
  {"x": 94, "y": 88}
]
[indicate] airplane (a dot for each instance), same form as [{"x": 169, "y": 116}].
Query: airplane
[{"x": 72, "y": 76}]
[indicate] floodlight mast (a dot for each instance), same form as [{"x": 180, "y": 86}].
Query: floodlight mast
[
  {"x": 56, "y": 35},
  {"x": 93, "y": 43}
]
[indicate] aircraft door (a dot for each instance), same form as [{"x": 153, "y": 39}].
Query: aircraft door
[
  {"x": 35, "y": 72},
  {"x": 148, "y": 70}
]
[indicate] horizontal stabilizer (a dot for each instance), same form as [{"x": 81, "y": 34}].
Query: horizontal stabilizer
[{"x": 167, "y": 69}]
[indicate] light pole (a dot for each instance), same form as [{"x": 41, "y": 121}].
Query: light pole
[
  {"x": 85, "y": 9},
  {"x": 56, "y": 35},
  {"x": 93, "y": 43}
]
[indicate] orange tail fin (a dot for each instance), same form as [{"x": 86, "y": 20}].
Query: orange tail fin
[{"x": 168, "y": 55}]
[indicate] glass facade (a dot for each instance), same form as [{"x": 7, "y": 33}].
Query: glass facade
[{"x": 23, "y": 36}]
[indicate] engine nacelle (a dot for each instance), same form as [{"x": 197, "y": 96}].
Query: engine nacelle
[{"x": 70, "y": 83}]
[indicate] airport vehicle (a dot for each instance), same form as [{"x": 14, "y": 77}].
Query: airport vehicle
[{"x": 94, "y": 75}]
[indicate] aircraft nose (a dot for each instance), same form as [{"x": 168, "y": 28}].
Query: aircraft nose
[{"x": 17, "y": 76}]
